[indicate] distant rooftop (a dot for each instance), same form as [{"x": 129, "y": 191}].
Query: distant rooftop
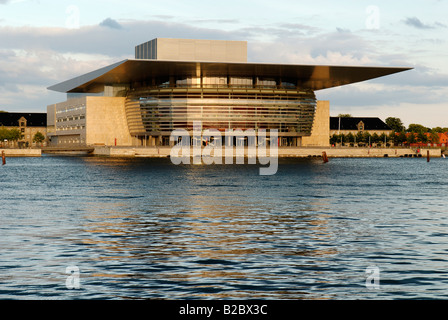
[
  {"x": 11, "y": 119},
  {"x": 351, "y": 123}
]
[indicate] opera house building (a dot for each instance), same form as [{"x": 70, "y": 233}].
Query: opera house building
[{"x": 173, "y": 82}]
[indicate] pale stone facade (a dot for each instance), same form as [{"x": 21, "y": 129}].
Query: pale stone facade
[
  {"x": 89, "y": 121},
  {"x": 106, "y": 121},
  {"x": 320, "y": 134},
  {"x": 28, "y": 133}
]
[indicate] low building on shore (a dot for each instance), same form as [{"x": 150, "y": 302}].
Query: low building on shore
[
  {"x": 355, "y": 125},
  {"x": 28, "y": 124}
]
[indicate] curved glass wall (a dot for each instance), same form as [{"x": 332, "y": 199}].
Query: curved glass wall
[{"x": 220, "y": 103}]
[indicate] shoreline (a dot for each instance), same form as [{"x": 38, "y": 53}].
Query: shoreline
[
  {"x": 283, "y": 152},
  {"x": 12, "y": 153}
]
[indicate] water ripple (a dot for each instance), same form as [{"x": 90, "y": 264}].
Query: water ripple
[{"x": 144, "y": 228}]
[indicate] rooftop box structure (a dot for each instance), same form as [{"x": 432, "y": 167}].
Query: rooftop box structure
[{"x": 192, "y": 50}]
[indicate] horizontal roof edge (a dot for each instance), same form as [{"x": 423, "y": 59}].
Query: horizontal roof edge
[
  {"x": 317, "y": 76},
  {"x": 71, "y": 84}
]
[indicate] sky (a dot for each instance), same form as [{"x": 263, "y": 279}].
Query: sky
[{"x": 46, "y": 42}]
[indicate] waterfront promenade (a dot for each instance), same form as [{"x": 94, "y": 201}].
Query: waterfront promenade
[
  {"x": 301, "y": 152},
  {"x": 21, "y": 152}
]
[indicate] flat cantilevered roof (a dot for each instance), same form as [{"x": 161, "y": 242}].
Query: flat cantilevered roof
[{"x": 315, "y": 77}]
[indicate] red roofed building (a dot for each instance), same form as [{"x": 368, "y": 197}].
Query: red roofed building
[{"x": 434, "y": 140}]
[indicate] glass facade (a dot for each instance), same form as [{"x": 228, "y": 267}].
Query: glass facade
[
  {"x": 70, "y": 125},
  {"x": 220, "y": 103}
]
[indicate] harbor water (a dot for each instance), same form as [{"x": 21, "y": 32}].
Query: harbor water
[{"x": 144, "y": 228}]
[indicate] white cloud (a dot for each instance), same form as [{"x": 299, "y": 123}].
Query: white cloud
[
  {"x": 110, "y": 23},
  {"x": 34, "y": 58},
  {"x": 417, "y": 23}
]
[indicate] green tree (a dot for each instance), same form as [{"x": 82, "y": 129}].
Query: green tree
[
  {"x": 38, "y": 137},
  {"x": 342, "y": 139},
  {"x": 439, "y": 130},
  {"x": 383, "y": 138},
  {"x": 4, "y": 133},
  {"x": 350, "y": 138},
  {"x": 367, "y": 138},
  {"x": 15, "y": 134},
  {"x": 360, "y": 137},
  {"x": 344, "y": 115},
  {"x": 393, "y": 137},
  {"x": 375, "y": 138},
  {"x": 411, "y": 138},
  {"x": 334, "y": 139},
  {"x": 417, "y": 128},
  {"x": 401, "y": 138},
  {"x": 434, "y": 138},
  {"x": 395, "y": 124},
  {"x": 421, "y": 137}
]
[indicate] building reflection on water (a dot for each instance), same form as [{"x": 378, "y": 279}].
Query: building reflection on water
[
  {"x": 143, "y": 228},
  {"x": 203, "y": 235}
]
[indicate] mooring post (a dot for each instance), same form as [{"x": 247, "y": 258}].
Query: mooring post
[
  {"x": 3, "y": 158},
  {"x": 427, "y": 156},
  {"x": 324, "y": 157}
]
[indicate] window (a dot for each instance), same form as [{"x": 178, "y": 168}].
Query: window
[
  {"x": 214, "y": 81},
  {"x": 361, "y": 126},
  {"x": 188, "y": 82},
  {"x": 241, "y": 81},
  {"x": 266, "y": 83}
]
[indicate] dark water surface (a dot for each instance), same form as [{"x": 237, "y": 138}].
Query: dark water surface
[{"x": 145, "y": 228}]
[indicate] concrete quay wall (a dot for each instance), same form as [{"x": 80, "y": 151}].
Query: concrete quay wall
[
  {"x": 282, "y": 152},
  {"x": 21, "y": 152},
  {"x": 357, "y": 152},
  {"x": 132, "y": 151}
]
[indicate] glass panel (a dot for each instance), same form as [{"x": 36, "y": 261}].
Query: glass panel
[{"x": 160, "y": 111}]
